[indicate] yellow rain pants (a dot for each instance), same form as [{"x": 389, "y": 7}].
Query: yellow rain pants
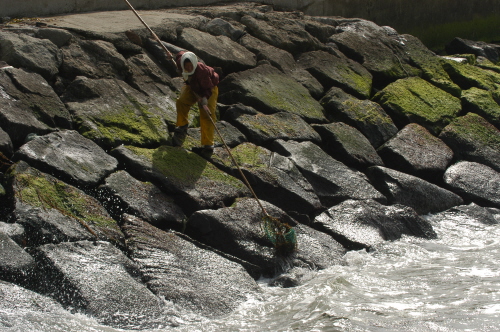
[{"x": 188, "y": 98}]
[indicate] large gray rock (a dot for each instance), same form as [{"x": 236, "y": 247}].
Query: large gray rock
[
  {"x": 122, "y": 193},
  {"x": 217, "y": 51},
  {"x": 23, "y": 51},
  {"x": 365, "y": 115},
  {"x": 148, "y": 78},
  {"x": 471, "y": 212},
  {"x": 416, "y": 151},
  {"x": 416, "y": 100},
  {"x": 29, "y": 105},
  {"x": 191, "y": 277},
  {"x": 110, "y": 112},
  {"x": 269, "y": 90},
  {"x": 261, "y": 128},
  {"x": 193, "y": 182},
  {"x": 52, "y": 211},
  {"x": 464, "y": 46},
  {"x": 284, "y": 61},
  {"x": 99, "y": 280},
  {"x": 332, "y": 181},
  {"x": 59, "y": 37},
  {"x": 337, "y": 70},
  {"x": 472, "y": 138},
  {"x": 381, "y": 50},
  {"x": 237, "y": 231},
  {"x": 482, "y": 103},
  {"x": 16, "y": 265},
  {"x": 220, "y": 27},
  {"x": 6, "y": 147},
  {"x": 93, "y": 59},
  {"x": 274, "y": 178},
  {"x": 474, "y": 182},
  {"x": 348, "y": 145},
  {"x": 400, "y": 188},
  {"x": 69, "y": 156},
  {"x": 14, "y": 230},
  {"x": 288, "y": 34},
  {"x": 361, "y": 224}
]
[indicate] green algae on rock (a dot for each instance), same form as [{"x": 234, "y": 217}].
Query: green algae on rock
[
  {"x": 473, "y": 138},
  {"x": 482, "y": 102},
  {"x": 113, "y": 113},
  {"x": 416, "y": 100},
  {"x": 37, "y": 193},
  {"x": 467, "y": 76},
  {"x": 269, "y": 91}
]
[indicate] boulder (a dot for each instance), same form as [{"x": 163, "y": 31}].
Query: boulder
[
  {"x": 193, "y": 182},
  {"x": 482, "y": 102},
  {"x": 479, "y": 48},
  {"x": 231, "y": 135},
  {"x": 381, "y": 50},
  {"x": 193, "y": 278},
  {"x": 148, "y": 78},
  {"x": 472, "y": 138},
  {"x": 24, "y": 51},
  {"x": 110, "y": 112},
  {"x": 348, "y": 145},
  {"x": 23, "y": 310},
  {"x": 289, "y": 34},
  {"x": 52, "y": 211},
  {"x": 274, "y": 178},
  {"x": 15, "y": 231},
  {"x": 97, "y": 279},
  {"x": 408, "y": 190},
  {"x": 468, "y": 76},
  {"x": 29, "y": 105},
  {"x": 262, "y": 129},
  {"x": 122, "y": 193},
  {"x": 34, "y": 93},
  {"x": 414, "y": 150},
  {"x": 220, "y": 27},
  {"x": 332, "y": 181},
  {"x": 237, "y": 231},
  {"x": 6, "y": 147},
  {"x": 268, "y": 90},
  {"x": 59, "y": 37},
  {"x": 337, "y": 70},
  {"x": 68, "y": 156},
  {"x": 16, "y": 265},
  {"x": 471, "y": 212},
  {"x": 474, "y": 182},
  {"x": 319, "y": 28},
  {"x": 366, "y": 116},
  {"x": 93, "y": 59},
  {"x": 415, "y": 100},
  {"x": 484, "y": 63},
  {"x": 359, "y": 224},
  {"x": 217, "y": 51}
]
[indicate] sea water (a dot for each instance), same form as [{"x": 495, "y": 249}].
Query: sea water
[{"x": 448, "y": 284}]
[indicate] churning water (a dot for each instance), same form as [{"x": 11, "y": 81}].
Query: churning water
[{"x": 448, "y": 284}]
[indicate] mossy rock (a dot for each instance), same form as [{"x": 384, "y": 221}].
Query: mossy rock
[
  {"x": 484, "y": 63},
  {"x": 56, "y": 211},
  {"x": 481, "y": 102},
  {"x": 416, "y": 100},
  {"x": 268, "y": 90},
  {"x": 337, "y": 70},
  {"x": 274, "y": 178},
  {"x": 472, "y": 138},
  {"x": 193, "y": 182},
  {"x": 468, "y": 76},
  {"x": 365, "y": 115},
  {"x": 110, "y": 113}
]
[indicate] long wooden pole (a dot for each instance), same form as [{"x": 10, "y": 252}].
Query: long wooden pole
[{"x": 152, "y": 33}]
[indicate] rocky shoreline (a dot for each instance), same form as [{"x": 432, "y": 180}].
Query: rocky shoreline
[{"x": 348, "y": 131}]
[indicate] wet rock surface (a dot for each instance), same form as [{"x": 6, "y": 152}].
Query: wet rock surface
[{"x": 346, "y": 131}]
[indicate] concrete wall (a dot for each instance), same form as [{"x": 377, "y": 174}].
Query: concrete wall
[{"x": 433, "y": 21}]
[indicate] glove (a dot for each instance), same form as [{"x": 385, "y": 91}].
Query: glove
[{"x": 204, "y": 101}]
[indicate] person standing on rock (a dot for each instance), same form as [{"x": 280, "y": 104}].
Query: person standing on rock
[{"x": 200, "y": 86}]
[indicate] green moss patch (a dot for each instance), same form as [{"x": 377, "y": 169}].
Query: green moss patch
[
  {"x": 482, "y": 103},
  {"x": 415, "y": 100},
  {"x": 468, "y": 76}
]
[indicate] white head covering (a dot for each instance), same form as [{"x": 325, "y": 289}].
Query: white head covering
[{"x": 193, "y": 59}]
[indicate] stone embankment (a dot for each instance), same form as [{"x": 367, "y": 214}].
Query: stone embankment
[{"x": 346, "y": 130}]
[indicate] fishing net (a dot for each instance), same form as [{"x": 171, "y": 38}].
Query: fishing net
[{"x": 282, "y": 235}]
